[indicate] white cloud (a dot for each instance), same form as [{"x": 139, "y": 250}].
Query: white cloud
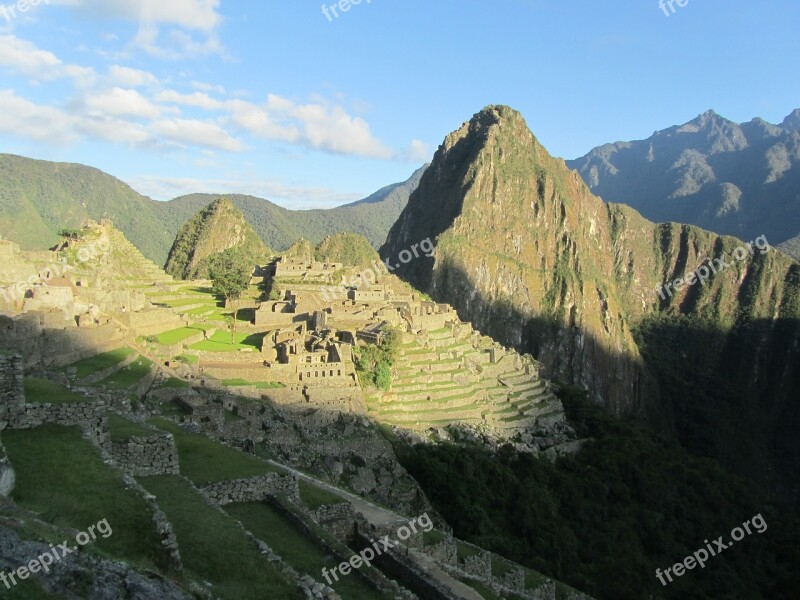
[
  {"x": 417, "y": 151},
  {"x": 118, "y": 102},
  {"x": 200, "y": 15},
  {"x": 257, "y": 121},
  {"x": 208, "y": 87},
  {"x": 319, "y": 126},
  {"x": 28, "y": 60},
  {"x": 175, "y": 16},
  {"x": 23, "y": 118},
  {"x": 196, "y": 99},
  {"x": 118, "y": 131},
  {"x": 131, "y": 78},
  {"x": 126, "y": 105},
  {"x": 197, "y": 133}
]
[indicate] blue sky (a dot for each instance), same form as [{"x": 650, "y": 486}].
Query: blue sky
[{"x": 275, "y": 99}]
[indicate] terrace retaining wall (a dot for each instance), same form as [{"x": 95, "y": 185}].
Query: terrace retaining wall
[
  {"x": 255, "y": 489},
  {"x": 143, "y": 456}
]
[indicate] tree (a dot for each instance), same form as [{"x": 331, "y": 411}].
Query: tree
[{"x": 231, "y": 276}]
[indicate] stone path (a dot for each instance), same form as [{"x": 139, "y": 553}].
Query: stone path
[{"x": 377, "y": 515}]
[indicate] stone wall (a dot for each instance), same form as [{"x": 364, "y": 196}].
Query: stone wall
[
  {"x": 143, "y": 456},
  {"x": 478, "y": 565},
  {"x": 338, "y": 519},
  {"x": 150, "y": 322},
  {"x": 56, "y": 347},
  {"x": 7, "y": 475},
  {"x": 445, "y": 552},
  {"x": 254, "y": 489},
  {"x": 12, "y": 392}
]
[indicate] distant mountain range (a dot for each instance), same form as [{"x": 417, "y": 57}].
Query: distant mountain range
[
  {"x": 736, "y": 179},
  {"x": 38, "y": 198}
]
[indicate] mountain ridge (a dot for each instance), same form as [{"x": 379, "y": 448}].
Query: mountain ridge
[
  {"x": 731, "y": 178},
  {"x": 38, "y": 198}
]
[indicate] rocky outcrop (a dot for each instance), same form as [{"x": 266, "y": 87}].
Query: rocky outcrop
[{"x": 532, "y": 258}]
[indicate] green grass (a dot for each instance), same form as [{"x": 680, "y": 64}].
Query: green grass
[
  {"x": 533, "y": 579},
  {"x": 482, "y": 589},
  {"x": 121, "y": 429},
  {"x": 175, "y": 383},
  {"x": 41, "y": 391},
  {"x": 172, "y": 408},
  {"x": 221, "y": 342},
  {"x": 176, "y": 336},
  {"x": 95, "y": 364},
  {"x": 262, "y": 385},
  {"x": 465, "y": 551},
  {"x": 213, "y": 549},
  {"x": 230, "y": 416},
  {"x": 314, "y": 497},
  {"x": 129, "y": 376},
  {"x": 269, "y": 525},
  {"x": 433, "y": 537},
  {"x": 189, "y": 359},
  {"x": 204, "y": 461},
  {"x": 500, "y": 568},
  {"x": 61, "y": 476}
]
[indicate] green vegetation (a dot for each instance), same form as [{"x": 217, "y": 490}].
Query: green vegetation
[
  {"x": 603, "y": 520},
  {"x": 270, "y": 526},
  {"x": 347, "y": 248},
  {"x": 374, "y": 362},
  {"x": 61, "y": 476},
  {"x": 230, "y": 271},
  {"x": 221, "y": 342},
  {"x": 176, "y": 336},
  {"x": 207, "y": 235},
  {"x": 213, "y": 549},
  {"x": 175, "y": 383},
  {"x": 261, "y": 385},
  {"x": 122, "y": 429},
  {"x": 100, "y": 362},
  {"x": 204, "y": 461},
  {"x": 314, "y": 497},
  {"x": 129, "y": 376},
  {"x": 42, "y": 391}
]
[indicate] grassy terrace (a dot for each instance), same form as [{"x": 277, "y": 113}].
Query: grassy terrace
[
  {"x": 270, "y": 526},
  {"x": 213, "y": 549},
  {"x": 95, "y": 364},
  {"x": 42, "y": 391},
  {"x": 176, "y": 336},
  {"x": 121, "y": 429},
  {"x": 314, "y": 497},
  {"x": 261, "y": 385},
  {"x": 62, "y": 476},
  {"x": 129, "y": 376},
  {"x": 221, "y": 342},
  {"x": 204, "y": 461}
]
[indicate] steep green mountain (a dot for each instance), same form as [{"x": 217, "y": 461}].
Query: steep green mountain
[
  {"x": 279, "y": 227},
  {"x": 214, "y": 229},
  {"x": 347, "y": 248},
  {"x": 526, "y": 252},
  {"x": 38, "y": 198},
  {"x": 735, "y": 179}
]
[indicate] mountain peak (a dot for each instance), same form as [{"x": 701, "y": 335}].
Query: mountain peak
[
  {"x": 792, "y": 121},
  {"x": 214, "y": 229}
]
